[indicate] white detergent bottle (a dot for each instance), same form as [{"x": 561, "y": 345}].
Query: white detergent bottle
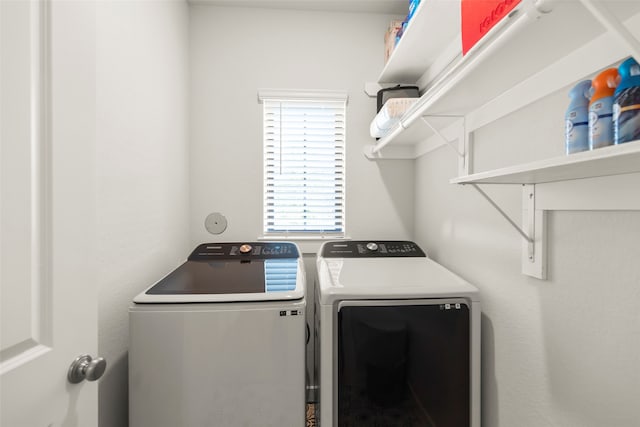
[{"x": 577, "y": 118}]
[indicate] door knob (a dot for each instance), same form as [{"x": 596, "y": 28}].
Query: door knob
[{"x": 86, "y": 368}]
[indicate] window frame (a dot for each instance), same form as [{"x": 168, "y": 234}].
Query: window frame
[{"x": 293, "y": 96}]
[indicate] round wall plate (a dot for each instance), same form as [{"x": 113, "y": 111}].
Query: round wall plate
[{"x": 215, "y": 223}]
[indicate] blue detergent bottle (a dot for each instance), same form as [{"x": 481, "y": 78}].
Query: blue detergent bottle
[
  {"x": 577, "y": 118},
  {"x": 626, "y": 106}
]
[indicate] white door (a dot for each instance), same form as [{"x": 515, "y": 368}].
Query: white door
[{"x": 47, "y": 292}]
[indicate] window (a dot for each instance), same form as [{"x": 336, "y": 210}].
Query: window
[{"x": 304, "y": 179}]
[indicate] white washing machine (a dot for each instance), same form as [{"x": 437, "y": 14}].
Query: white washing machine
[
  {"x": 397, "y": 338},
  {"x": 220, "y": 341}
]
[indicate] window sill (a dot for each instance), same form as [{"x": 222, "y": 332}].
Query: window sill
[{"x": 307, "y": 244}]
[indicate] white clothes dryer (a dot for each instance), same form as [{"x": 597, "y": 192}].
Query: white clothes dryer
[
  {"x": 220, "y": 341},
  {"x": 397, "y": 338}
]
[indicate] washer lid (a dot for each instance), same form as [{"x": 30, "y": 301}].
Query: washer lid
[
  {"x": 232, "y": 272},
  {"x": 388, "y": 278}
]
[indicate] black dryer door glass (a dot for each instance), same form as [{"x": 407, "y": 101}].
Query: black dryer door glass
[{"x": 404, "y": 365}]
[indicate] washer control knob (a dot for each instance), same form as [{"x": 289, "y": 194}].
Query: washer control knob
[
  {"x": 245, "y": 249},
  {"x": 372, "y": 246}
]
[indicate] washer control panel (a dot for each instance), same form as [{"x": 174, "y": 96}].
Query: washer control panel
[
  {"x": 244, "y": 250},
  {"x": 372, "y": 249}
]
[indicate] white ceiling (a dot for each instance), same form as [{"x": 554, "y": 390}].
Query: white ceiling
[{"x": 392, "y": 7}]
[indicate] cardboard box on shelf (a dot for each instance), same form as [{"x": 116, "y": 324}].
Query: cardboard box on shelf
[{"x": 390, "y": 38}]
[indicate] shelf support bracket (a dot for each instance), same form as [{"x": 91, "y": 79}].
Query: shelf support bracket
[
  {"x": 534, "y": 245},
  {"x": 442, "y": 137},
  {"x": 534, "y": 253},
  {"x": 613, "y": 25},
  {"x": 503, "y": 213}
]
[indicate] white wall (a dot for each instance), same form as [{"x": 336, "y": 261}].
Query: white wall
[
  {"x": 142, "y": 169},
  {"x": 235, "y": 52},
  {"x": 561, "y": 352}
]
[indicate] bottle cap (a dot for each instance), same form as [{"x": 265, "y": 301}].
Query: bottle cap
[
  {"x": 629, "y": 72},
  {"x": 580, "y": 93},
  {"x": 604, "y": 84}
]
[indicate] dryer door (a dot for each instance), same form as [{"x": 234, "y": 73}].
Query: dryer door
[{"x": 404, "y": 363}]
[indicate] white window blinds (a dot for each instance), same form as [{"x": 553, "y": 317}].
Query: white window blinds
[{"x": 304, "y": 139}]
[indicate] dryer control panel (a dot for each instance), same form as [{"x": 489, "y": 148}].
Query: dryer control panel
[
  {"x": 372, "y": 249},
  {"x": 244, "y": 250}
]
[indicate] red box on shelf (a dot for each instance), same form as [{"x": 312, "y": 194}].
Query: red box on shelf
[{"x": 479, "y": 16}]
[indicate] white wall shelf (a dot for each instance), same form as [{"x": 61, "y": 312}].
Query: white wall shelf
[
  {"x": 437, "y": 19},
  {"x": 507, "y": 69},
  {"x": 606, "y": 161},
  {"x": 525, "y": 42}
]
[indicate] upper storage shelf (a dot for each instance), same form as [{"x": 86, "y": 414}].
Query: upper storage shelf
[
  {"x": 606, "y": 161},
  {"x": 439, "y": 20},
  {"x": 531, "y": 38}
]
